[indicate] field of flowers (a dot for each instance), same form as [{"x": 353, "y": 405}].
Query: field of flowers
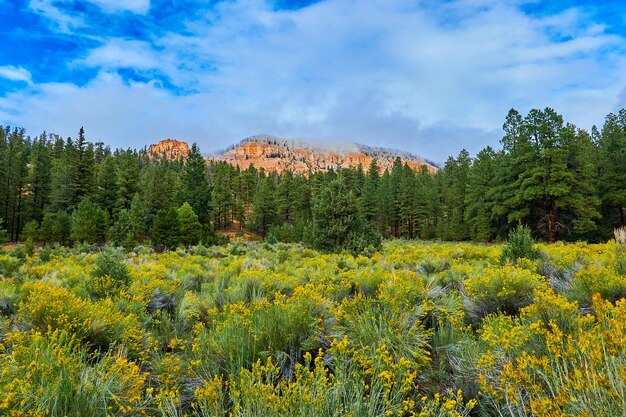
[{"x": 424, "y": 329}]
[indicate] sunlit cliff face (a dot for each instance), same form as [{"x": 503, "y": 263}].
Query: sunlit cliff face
[
  {"x": 279, "y": 155},
  {"x": 172, "y": 149}
]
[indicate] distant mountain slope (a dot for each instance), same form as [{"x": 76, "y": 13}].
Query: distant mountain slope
[{"x": 278, "y": 155}]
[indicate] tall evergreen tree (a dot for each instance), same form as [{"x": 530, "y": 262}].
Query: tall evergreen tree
[
  {"x": 337, "y": 222},
  {"x": 223, "y": 196},
  {"x": 189, "y": 227},
  {"x": 612, "y": 181},
  {"x": 264, "y": 204},
  {"x": 39, "y": 185},
  {"x": 479, "y": 207},
  {"x": 195, "y": 185},
  {"x": 90, "y": 223},
  {"x": 164, "y": 233},
  {"x": 369, "y": 202}
]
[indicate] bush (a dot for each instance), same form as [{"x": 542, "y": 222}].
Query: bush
[
  {"x": 96, "y": 325},
  {"x": 9, "y": 266},
  {"x": 9, "y": 297},
  {"x": 590, "y": 281},
  {"x": 500, "y": 289},
  {"x": 112, "y": 263},
  {"x": 50, "y": 375},
  {"x": 271, "y": 239},
  {"x": 30, "y": 231},
  {"x": 520, "y": 245}
]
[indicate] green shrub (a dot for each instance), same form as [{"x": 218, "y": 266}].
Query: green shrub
[
  {"x": 603, "y": 281},
  {"x": 9, "y": 266},
  {"x": 500, "y": 289},
  {"x": 97, "y": 325},
  {"x": 112, "y": 263},
  {"x": 50, "y": 375},
  {"x": 9, "y": 298},
  {"x": 520, "y": 245}
]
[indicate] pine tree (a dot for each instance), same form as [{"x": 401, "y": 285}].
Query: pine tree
[
  {"x": 127, "y": 178},
  {"x": 16, "y": 158},
  {"x": 63, "y": 194},
  {"x": 164, "y": 233},
  {"x": 369, "y": 202},
  {"x": 406, "y": 201},
  {"x": 223, "y": 196},
  {"x": 84, "y": 166},
  {"x": 425, "y": 204},
  {"x": 4, "y": 237},
  {"x": 105, "y": 193},
  {"x": 38, "y": 188},
  {"x": 196, "y": 188},
  {"x": 479, "y": 207},
  {"x": 612, "y": 181},
  {"x": 337, "y": 223},
  {"x": 122, "y": 232},
  {"x": 189, "y": 227},
  {"x": 89, "y": 223},
  {"x": 138, "y": 218},
  {"x": 264, "y": 204}
]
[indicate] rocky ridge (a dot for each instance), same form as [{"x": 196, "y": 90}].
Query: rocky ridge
[{"x": 275, "y": 154}]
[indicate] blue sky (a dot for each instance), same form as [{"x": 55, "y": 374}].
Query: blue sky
[{"x": 424, "y": 76}]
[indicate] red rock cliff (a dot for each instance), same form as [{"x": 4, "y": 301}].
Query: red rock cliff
[
  {"x": 279, "y": 155},
  {"x": 172, "y": 149}
]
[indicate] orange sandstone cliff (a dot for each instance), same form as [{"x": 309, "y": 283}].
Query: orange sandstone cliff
[
  {"x": 170, "y": 148},
  {"x": 279, "y": 155}
]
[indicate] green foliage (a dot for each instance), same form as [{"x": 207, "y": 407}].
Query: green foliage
[
  {"x": 30, "y": 231},
  {"x": 111, "y": 263},
  {"x": 29, "y": 247},
  {"x": 504, "y": 290},
  {"x": 165, "y": 229},
  {"x": 3, "y": 233},
  {"x": 337, "y": 223},
  {"x": 189, "y": 228},
  {"x": 9, "y": 265},
  {"x": 50, "y": 375},
  {"x": 519, "y": 245},
  {"x": 89, "y": 223}
]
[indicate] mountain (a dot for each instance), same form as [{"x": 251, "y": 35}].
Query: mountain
[
  {"x": 170, "y": 148},
  {"x": 278, "y": 155}
]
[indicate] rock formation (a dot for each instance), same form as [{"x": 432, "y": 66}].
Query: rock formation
[
  {"x": 278, "y": 155},
  {"x": 170, "y": 148}
]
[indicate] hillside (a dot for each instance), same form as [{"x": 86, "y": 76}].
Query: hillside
[
  {"x": 170, "y": 148},
  {"x": 278, "y": 155}
]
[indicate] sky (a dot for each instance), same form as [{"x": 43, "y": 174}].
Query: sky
[{"x": 429, "y": 77}]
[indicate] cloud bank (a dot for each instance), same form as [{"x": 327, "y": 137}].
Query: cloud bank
[{"x": 430, "y": 78}]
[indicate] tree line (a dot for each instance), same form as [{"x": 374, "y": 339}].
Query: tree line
[{"x": 563, "y": 182}]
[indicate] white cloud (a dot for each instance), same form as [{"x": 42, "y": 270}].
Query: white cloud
[
  {"x": 135, "y": 6},
  {"x": 13, "y": 73},
  {"x": 120, "y": 53},
  {"x": 400, "y": 74},
  {"x": 64, "y": 22}
]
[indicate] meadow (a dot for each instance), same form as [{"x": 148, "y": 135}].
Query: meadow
[{"x": 259, "y": 329}]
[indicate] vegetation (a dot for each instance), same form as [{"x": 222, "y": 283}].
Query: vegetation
[
  {"x": 416, "y": 329},
  {"x": 558, "y": 181}
]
